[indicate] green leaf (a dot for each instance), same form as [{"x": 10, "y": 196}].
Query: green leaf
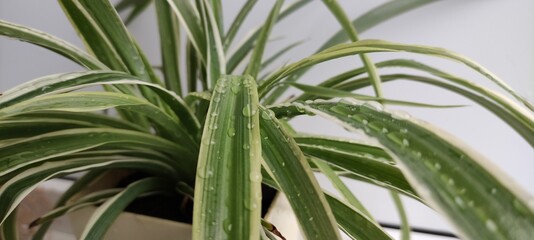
[
  {"x": 279, "y": 53},
  {"x": 366, "y": 46},
  {"x": 515, "y": 116},
  {"x": 106, "y": 214},
  {"x": 227, "y": 191},
  {"x": 88, "y": 200},
  {"x": 333, "y": 93},
  {"x": 238, "y": 21},
  {"x": 13, "y": 191},
  {"x": 169, "y": 36},
  {"x": 247, "y": 44},
  {"x": 21, "y": 128},
  {"x": 9, "y": 228},
  {"x": 351, "y": 221},
  {"x": 61, "y": 143},
  {"x": 74, "y": 81},
  {"x": 383, "y": 46},
  {"x": 374, "y": 17},
  {"x": 405, "y": 226},
  {"x": 343, "y": 19},
  {"x": 93, "y": 119},
  {"x": 354, "y": 223},
  {"x": 50, "y": 42},
  {"x": 217, "y": 9},
  {"x": 79, "y": 185},
  {"x": 370, "y": 19},
  {"x": 255, "y": 60},
  {"x": 93, "y": 37},
  {"x": 372, "y": 164},
  {"x": 479, "y": 202},
  {"x": 192, "y": 66},
  {"x": 292, "y": 173},
  {"x": 94, "y": 101},
  {"x": 138, "y": 7},
  {"x": 190, "y": 19},
  {"x": 341, "y": 187},
  {"x": 216, "y": 62},
  {"x": 109, "y": 22}
]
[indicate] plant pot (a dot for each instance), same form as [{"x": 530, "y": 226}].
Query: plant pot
[
  {"x": 133, "y": 226},
  {"x": 128, "y": 225}
]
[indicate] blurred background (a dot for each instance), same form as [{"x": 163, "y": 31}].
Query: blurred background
[{"x": 497, "y": 34}]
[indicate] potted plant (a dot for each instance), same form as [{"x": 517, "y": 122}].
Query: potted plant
[{"x": 214, "y": 134}]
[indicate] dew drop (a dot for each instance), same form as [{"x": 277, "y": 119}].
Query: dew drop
[
  {"x": 374, "y": 105},
  {"x": 520, "y": 206},
  {"x": 459, "y": 201},
  {"x": 227, "y": 225},
  {"x": 401, "y": 115},
  {"x": 365, "y": 122},
  {"x": 246, "y": 146},
  {"x": 493, "y": 191},
  {"x": 254, "y": 177},
  {"x": 437, "y": 166},
  {"x": 235, "y": 89},
  {"x": 231, "y": 132},
  {"x": 248, "y": 111},
  {"x": 471, "y": 204},
  {"x": 267, "y": 115},
  {"x": 490, "y": 224},
  {"x": 405, "y": 142}
]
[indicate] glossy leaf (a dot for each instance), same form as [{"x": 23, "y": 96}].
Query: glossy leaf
[
  {"x": 292, "y": 173},
  {"x": 216, "y": 62},
  {"x": 14, "y": 190},
  {"x": 350, "y": 30},
  {"x": 106, "y": 214},
  {"x": 455, "y": 181},
  {"x": 237, "y": 22},
  {"x": 369, "y": 162},
  {"x": 61, "y": 143},
  {"x": 50, "y": 42},
  {"x": 255, "y": 60},
  {"x": 190, "y": 20},
  {"x": 227, "y": 190},
  {"x": 170, "y": 46}
]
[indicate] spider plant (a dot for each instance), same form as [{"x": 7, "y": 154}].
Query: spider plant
[{"x": 205, "y": 128}]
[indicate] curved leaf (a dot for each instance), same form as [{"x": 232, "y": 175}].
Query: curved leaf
[
  {"x": 368, "y": 162},
  {"x": 14, "y": 190},
  {"x": 366, "y": 46},
  {"x": 453, "y": 180},
  {"x": 61, "y": 143},
  {"x": 74, "y": 81},
  {"x": 50, "y": 42},
  {"x": 106, "y": 214},
  {"x": 292, "y": 173},
  {"x": 254, "y": 64}
]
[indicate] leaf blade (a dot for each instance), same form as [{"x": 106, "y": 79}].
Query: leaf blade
[
  {"x": 227, "y": 190},
  {"x": 289, "y": 168},
  {"x": 469, "y": 198}
]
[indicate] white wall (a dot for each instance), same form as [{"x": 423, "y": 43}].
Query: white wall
[{"x": 497, "y": 34}]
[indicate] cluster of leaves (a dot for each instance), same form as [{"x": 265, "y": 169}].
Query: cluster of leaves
[{"x": 216, "y": 137}]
